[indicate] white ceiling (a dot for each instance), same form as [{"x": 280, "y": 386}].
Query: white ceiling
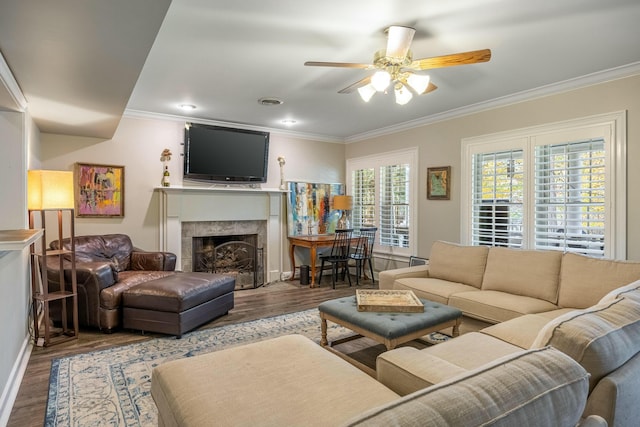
[{"x": 222, "y": 56}]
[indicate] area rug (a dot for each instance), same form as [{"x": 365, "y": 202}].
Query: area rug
[{"x": 112, "y": 387}]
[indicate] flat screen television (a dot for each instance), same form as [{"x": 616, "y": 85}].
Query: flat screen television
[{"x": 225, "y": 155}]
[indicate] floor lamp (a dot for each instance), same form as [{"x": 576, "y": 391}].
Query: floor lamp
[{"x": 49, "y": 190}]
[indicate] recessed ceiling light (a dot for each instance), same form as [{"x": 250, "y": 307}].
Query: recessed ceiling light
[
  {"x": 289, "y": 122},
  {"x": 187, "y": 107},
  {"x": 270, "y": 101}
]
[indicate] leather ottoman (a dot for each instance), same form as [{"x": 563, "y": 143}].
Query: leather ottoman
[{"x": 178, "y": 303}]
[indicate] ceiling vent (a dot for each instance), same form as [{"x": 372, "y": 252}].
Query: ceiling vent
[{"x": 270, "y": 101}]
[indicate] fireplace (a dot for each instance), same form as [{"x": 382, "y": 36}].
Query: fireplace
[
  {"x": 193, "y": 211},
  {"x": 234, "y": 248},
  {"x": 237, "y": 256}
]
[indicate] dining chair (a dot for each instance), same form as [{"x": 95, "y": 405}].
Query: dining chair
[
  {"x": 364, "y": 251},
  {"x": 339, "y": 255}
]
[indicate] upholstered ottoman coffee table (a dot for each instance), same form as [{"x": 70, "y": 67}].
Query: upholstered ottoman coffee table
[
  {"x": 388, "y": 328},
  {"x": 178, "y": 303}
]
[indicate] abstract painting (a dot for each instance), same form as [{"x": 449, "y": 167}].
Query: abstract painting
[
  {"x": 99, "y": 190},
  {"x": 309, "y": 208}
]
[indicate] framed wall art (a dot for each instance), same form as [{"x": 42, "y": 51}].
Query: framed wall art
[
  {"x": 309, "y": 208},
  {"x": 439, "y": 183},
  {"x": 99, "y": 190}
]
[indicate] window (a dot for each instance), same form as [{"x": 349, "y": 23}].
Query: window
[
  {"x": 554, "y": 187},
  {"x": 384, "y": 193}
]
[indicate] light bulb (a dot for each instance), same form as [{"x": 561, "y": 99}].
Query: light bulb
[
  {"x": 380, "y": 80},
  {"x": 418, "y": 83},
  {"x": 366, "y": 92}
]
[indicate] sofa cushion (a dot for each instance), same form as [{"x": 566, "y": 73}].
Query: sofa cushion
[
  {"x": 533, "y": 388},
  {"x": 275, "y": 382},
  {"x": 496, "y": 306},
  {"x": 457, "y": 263},
  {"x": 407, "y": 369},
  {"x": 437, "y": 290},
  {"x": 522, "y": 272},
  {"x": 585, "y": 280},
  {"x": 601, "y": 338},
  {"x": 521, "y": 331},
  {"x": 113, "y": 248}
]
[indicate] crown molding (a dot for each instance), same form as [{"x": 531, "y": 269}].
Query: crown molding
[
  {"x": 177, "y": 118},
  {"x": 527, "y": 95},
  {"x": 11, "y": 85}
]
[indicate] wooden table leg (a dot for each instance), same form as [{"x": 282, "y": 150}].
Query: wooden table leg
[
  {"x": 313, "y": 255},
  {"x": 323, "y": 329},
  {"x": 292, "y": 259},
  {"x": 456, "y": 327}
]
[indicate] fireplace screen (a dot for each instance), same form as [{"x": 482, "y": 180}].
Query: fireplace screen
[{"x": 237, "y": 256}]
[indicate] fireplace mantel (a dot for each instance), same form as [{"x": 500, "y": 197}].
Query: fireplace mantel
[
  {"x": 218, "y": 188},
  {"x": 178, "y": 204}
]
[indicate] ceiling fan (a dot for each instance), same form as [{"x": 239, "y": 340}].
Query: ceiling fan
[{"x": 395, "y": 66}]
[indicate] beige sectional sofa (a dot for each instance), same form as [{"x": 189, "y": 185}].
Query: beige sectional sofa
[
  {"x": 558, "y": 344},
  {"x": 292, "y": 381},
  {"x": 519, "y": 299}
]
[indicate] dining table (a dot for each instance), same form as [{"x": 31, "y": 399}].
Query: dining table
[{"x": 312, "y": 242}]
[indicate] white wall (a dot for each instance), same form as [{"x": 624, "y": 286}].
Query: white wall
[
  {"x": 16, "y": 134},
  {"x": 137, "y": 145},
  {"x": 440, "y": 145}
]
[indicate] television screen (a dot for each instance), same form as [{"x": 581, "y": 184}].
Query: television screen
[{"x": 220, "y": 154}]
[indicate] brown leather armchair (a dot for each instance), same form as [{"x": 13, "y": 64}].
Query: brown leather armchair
[{"x": 106, "y": 266}]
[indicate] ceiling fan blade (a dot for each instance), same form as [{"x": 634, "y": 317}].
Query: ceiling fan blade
[
  {"x": 356, "y": 85},
  {"x": 463, "y": 58},
  {"x": 429, "y": 88},
  {"x": 337, "y": 64},
  {"x": 399, "y": 41}
]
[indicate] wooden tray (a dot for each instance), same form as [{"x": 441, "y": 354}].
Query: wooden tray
[{"x": 388, "y": 301}]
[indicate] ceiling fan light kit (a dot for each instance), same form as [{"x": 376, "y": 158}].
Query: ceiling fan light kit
[
  {"x": 395, "y": 66},
  {"x": 403, "y": 94},
  {"x": 380, "y": 80},
  {"x": 366, "y": 92}
]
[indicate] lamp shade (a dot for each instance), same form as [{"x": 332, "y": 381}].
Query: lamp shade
[
  {"x": 343, "y": 203},
  {"x": 47, "y": 189}
]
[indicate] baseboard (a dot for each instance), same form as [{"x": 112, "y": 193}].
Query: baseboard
[{"x": 12, "y": 386}]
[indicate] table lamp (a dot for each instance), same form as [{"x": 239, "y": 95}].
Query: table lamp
[{"x": 344, "y": 204}]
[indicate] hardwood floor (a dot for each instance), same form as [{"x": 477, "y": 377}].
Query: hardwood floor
[{"x": 251, "y": 304}]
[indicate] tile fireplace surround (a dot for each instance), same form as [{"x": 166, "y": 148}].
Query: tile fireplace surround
[{"x": 216, "y": 211}]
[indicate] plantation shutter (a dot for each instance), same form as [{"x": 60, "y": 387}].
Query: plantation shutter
[
  {"x": 498, "y": 195},
  {"x": 394, "y": 199},
  {"x": 364, "y": 198},
  {"x": 570, "y": 197}
]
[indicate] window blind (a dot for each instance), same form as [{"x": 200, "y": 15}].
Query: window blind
[
  {"x": 364, "y": 198},
  {"x": 497, "y": 205},
  {"x": 394, "y": 217},
  {"x": 570, "y": 197}
]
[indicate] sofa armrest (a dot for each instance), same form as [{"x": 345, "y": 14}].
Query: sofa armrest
[
  {"x": 92, "y": 278},
  {"x": 98, "y": 274},
  {"x": 387, "y": 277},
  {"x": 153, "y": 261}
]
